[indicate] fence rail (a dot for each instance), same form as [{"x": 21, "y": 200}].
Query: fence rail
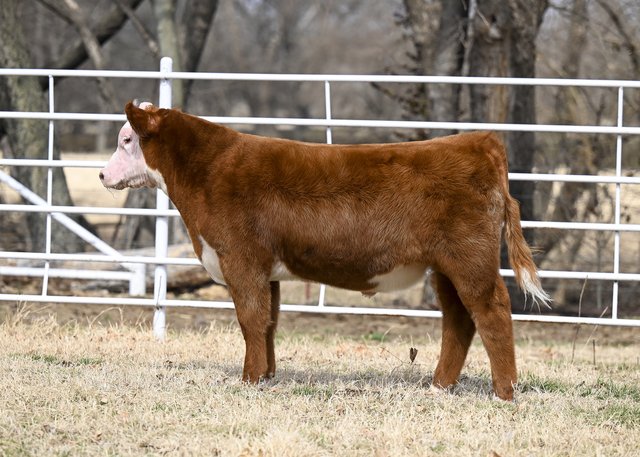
[{"x": 136, "y": 264}]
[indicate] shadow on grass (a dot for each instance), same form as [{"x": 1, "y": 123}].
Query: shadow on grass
[
  {"x": 323, "y": 381},
  {"x": 327, "y": 382}
]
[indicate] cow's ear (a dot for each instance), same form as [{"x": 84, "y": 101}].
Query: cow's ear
[{"x": 145, "y": 122}]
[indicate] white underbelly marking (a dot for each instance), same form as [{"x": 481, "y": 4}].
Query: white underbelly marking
[
  {"x": 280, "y": 272},
  {"x": 158, "y": 178},
  {"x": 399, "y": 278},
  {"x": 211, "y": 263}
]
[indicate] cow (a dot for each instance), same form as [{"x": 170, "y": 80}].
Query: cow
[{"x": 363, "y": 217}]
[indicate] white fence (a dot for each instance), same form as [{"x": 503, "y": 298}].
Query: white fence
[{"x": 135, "y": 265}]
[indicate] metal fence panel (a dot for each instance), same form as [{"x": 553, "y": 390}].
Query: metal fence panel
[{"x": 135, "y": 265}]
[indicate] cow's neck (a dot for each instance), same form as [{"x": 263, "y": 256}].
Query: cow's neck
[{"x": 182, "y": 168}]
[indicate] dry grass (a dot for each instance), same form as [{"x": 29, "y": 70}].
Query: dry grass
[{"x": 71, "y": 389}]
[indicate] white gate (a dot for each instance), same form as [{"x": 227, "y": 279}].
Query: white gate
[{"x": 135, "y": 265}]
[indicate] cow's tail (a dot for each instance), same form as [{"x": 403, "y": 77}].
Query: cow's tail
[{"x": 520, "y": 256}]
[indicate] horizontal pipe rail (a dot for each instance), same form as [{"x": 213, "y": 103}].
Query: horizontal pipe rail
[
  {"x": 327, "y": 309},
  {"x": 189, "y": 261},
  {"x": 55, "y": 163},
  {"x": 276, "y": 77},
  {"x": 322, "y": 122},
  {"x": 67, "y": 273},
  {"x": 589, "y": 179},
  {"x": 193, "y": 261},
  {"x": 373, "y": 123},
  {"x": 119, "y": 211}
]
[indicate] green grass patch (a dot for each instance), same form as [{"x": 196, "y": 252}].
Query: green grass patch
[
  {"x": 375, "y": 336},
  {"x": 307, "y": 390},
  {"x": 623, "y": 415},
  {"x": 57, "y": 361},
  {"x": 601, "y": 389},
  {"x": 604, "y": 389},
  {"x": 534, "y": 383}
]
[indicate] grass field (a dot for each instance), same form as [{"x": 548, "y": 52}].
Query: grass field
[{"x": 104, "y": 387}]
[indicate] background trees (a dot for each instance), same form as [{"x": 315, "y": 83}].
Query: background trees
[{"x": 558, "y": 38}]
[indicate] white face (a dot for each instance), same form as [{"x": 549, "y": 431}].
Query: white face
[{"x": 127, "y": 167}]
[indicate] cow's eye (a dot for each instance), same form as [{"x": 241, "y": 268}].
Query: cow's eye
[{"x": 126, "y": 140}]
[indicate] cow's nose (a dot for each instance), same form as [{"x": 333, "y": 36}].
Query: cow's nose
[{"x": 101, "y": 176}]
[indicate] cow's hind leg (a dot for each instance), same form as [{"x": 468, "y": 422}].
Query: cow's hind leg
[
  {"x": 271, "y": 329},
  {"x": 457, "y": 332},
  {"x": 487, "y": 300}
]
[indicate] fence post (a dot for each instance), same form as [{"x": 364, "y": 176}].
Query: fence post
[
  {"x": 616, "y": 214},
  {"x": 48, "y": 238},
  {"x": 327, "y": 112},
  {"x": 162, "y": 222}
]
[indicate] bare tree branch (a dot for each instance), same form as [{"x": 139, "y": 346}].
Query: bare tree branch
[
  {"x": 628, "y": 40},
  {"x": 76, "y": 53},
  {"x": 72, "y": 11},
  {"x": 144, "y": 33}
]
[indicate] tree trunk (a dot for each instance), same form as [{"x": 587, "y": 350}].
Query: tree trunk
[
  {"x": 167, "y": 32},
  {"x": 446, "y": 60},
  {"x": 503, "y": 44},
  {"x": 526, "y": 19},
  {"x": 28, "y": 138},
  {"x": 565, "y": 208},
  {"x": 196, "y": 24}
]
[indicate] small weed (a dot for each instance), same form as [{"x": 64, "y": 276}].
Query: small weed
[
  {"x": 53, "y": 360},
  {"x": 162, "y": 407},
  {"x": 50, "y": 359},
  {"x": 307, "y": 390},
  {"x": 375, "y": 336},
  {"x": 89, "y": 361}
]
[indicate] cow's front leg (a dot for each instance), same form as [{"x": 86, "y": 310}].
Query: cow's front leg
[
  {"x": 253, "y": 309},
  {"x": 252, "y": 297}
]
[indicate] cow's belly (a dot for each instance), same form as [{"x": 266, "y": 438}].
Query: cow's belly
[{"x": 399, "y": 278}]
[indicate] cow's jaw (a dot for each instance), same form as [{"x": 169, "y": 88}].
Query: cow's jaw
[{"x": 135, "y": 179}]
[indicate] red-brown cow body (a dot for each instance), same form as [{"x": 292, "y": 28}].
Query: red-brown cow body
[{"x": 368, "y": 218}]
